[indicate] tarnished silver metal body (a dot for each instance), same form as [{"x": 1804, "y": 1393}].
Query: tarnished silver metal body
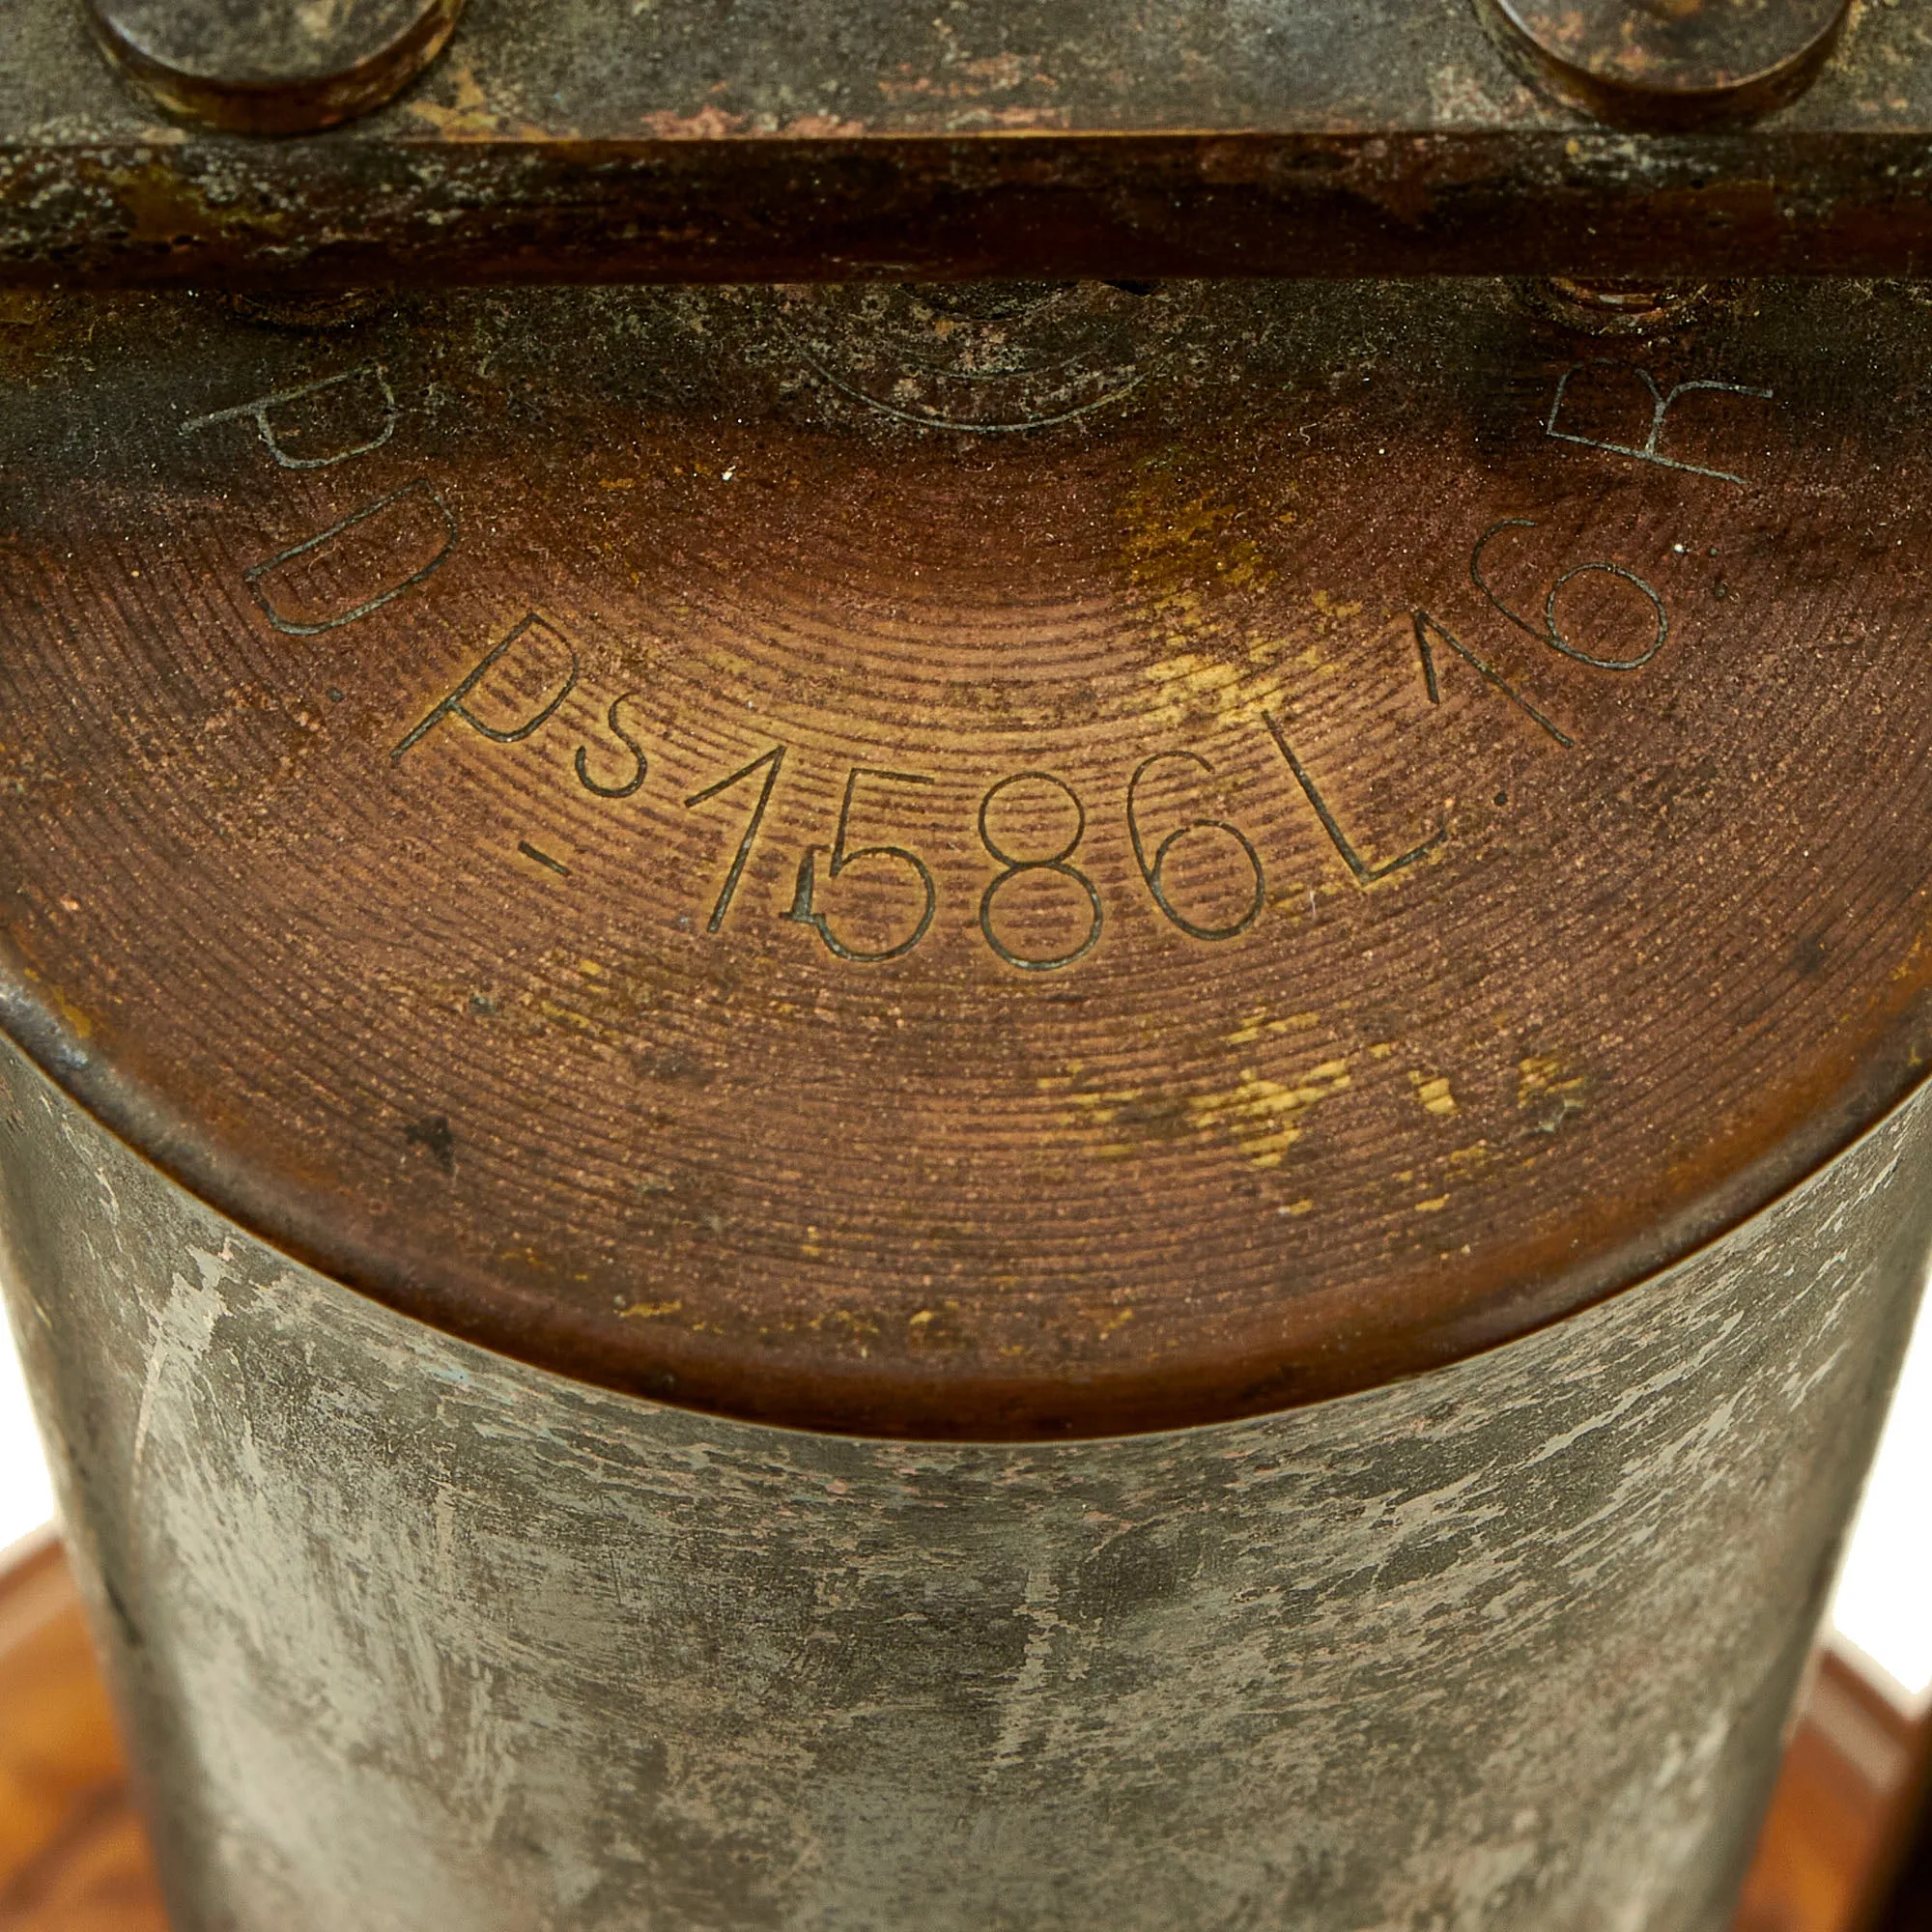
[{"x": 410, "y": 1637}]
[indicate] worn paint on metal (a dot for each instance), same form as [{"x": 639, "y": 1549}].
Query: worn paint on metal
[{"x": 412, "y": 1636}]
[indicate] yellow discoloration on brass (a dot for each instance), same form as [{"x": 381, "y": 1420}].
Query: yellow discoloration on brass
[
  {"x": 1434, "y": 1094},
  {"x": 1540, "y": 1074},
  {"x": 567, "y": 1016},
  {"x": 1260, "y": 1113},
  {"x": 1256, "y": 1024},
  {"x": 1186, "y": 549},
  {"x": 1106, "y": 1110},
  {"x": 1335, "y": 608},
  {"x": 1182, "y": 547},
  {"x": 1197, "y": 676},
  {"x": 860, "y": 1329}
]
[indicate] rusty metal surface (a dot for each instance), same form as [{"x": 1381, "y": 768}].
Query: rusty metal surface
[
  {"x": 265, "y": 67},
  {"x": 673, "y": 835},
  {"x": 1673, "y": 64},
  {"x": 763, "y": 141},
  {"x": 413, "y": 1636}
]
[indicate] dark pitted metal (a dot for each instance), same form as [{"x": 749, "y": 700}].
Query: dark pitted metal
[
  {"x": 841, "y": 139},
  {"x": 973, "y": 862},
  {"x": 1674, "y": 64},
  {"x": 272, "y": 66}
]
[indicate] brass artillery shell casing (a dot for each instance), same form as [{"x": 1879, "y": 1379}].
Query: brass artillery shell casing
[{"x": 1037, "y": 1106}]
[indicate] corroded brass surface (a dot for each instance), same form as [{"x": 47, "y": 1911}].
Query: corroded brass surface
[{"x": 1045, "y": 859}]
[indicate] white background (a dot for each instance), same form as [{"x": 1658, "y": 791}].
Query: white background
[
  {"x": 1884, "y": 1591},
  {"x": 1883, "y": 1604}
]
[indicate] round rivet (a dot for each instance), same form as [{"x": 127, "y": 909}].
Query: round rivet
[
  {"x": 1606, "y": 307},
  {"x": 272, "y": 66},
  {"x": 1673, "y": 64}
]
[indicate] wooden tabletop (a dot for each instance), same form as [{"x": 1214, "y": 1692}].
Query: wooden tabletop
[
  {"x": 74, "y": 1854},
  {"x": 1843, "y": 1807}
]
